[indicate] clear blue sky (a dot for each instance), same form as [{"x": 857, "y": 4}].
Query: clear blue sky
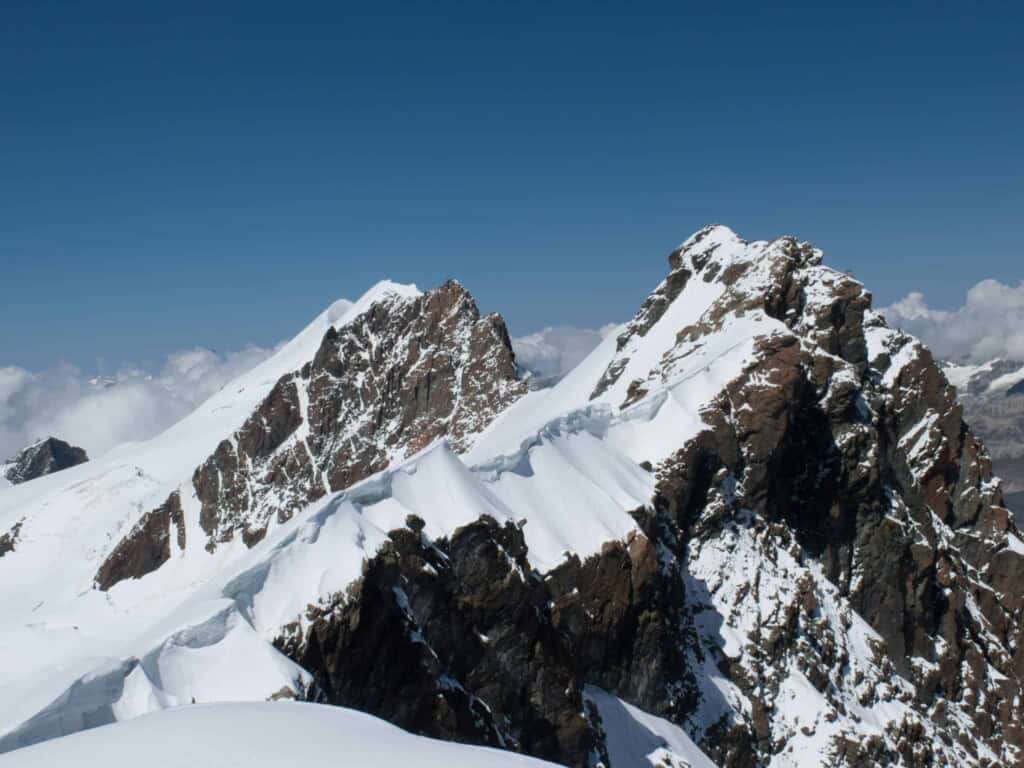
[{"x": 180, "y": 175}]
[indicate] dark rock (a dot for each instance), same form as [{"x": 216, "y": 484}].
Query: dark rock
[
  {"x": 42, "y": 458},
  {"x": 9, "y": 540},
  {"x": 146, "y": 547}
]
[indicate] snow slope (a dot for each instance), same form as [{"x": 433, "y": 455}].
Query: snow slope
[
  {"x": 636, "y": 739},
  {"x": 268, "y": 735}
]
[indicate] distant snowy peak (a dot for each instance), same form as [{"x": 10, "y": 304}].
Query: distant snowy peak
[
  {"x": 993, "y": 398},
  {"x": 994, "y": 378},
  {"x": 41, "y": 458}
]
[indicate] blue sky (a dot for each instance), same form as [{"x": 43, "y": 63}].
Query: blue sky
[{"x": 181, "y": 176}]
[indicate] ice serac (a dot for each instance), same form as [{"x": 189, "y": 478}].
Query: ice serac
[
  {"x": 408, "y": 370},
  {"x": 41, "y": 458}
]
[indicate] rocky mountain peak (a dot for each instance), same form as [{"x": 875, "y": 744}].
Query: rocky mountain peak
[
  {"x": 725, "y": 280},
  {"x": 42, "y": 458},
  {"x": 408, "y": 370}
]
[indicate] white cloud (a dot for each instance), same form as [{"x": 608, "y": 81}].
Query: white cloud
[
  {"x": 99, "y": 413},
  {"x": 990, "y": 324},
  {"x": 552, "y": 352}
]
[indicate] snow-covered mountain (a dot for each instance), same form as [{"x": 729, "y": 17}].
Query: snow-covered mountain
[{"x": 749, "y": 529}]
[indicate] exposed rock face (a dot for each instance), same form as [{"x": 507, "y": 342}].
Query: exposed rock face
[
  {"x": 837, "y": 482},
  {"x": 483, "y": 649},
  {"x": 9, "y": 539},
  {"x": 402, "y": 375},
  {"x": 146, "y": 547},
  {"x": 42, "y": 458},
  {"x": 406, "y": 372}
]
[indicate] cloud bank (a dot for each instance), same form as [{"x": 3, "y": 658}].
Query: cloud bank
[
  {"x": 990, "y": 324},
  {"x": 552, "y": 352},
  {"x": 99, "y": 413}
]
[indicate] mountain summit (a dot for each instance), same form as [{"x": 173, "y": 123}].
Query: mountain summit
[{"x": 751, "y": 528}]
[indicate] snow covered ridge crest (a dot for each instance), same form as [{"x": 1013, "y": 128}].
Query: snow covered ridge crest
[{"x": 754, "y": 514}]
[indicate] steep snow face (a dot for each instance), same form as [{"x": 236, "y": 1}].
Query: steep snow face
[
  {"x": 56, "y": 531},
  {"x": 643, "y": 388},
  {"x": 258, "y": 736}
]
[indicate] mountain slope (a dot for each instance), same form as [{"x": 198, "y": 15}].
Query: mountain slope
[{"x": 753, "y": 512}]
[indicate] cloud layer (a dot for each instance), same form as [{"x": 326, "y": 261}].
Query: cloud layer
[
  {"x": 990, "y": 324},
  {"x": 551, "y": 353},
  {"x": 99, "y": 413}
]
